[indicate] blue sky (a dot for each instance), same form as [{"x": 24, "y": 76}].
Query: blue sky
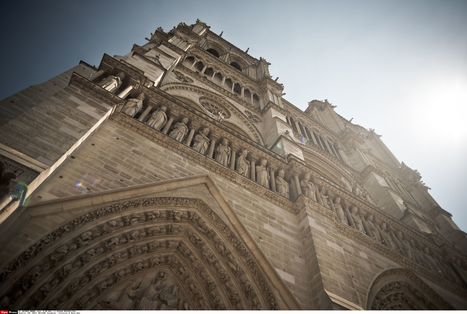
[{"x": 399, "y": 67}]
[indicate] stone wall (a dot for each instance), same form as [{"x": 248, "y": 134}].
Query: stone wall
[{"x": 115, "y": 158}]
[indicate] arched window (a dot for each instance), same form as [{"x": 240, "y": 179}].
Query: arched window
[
  {"x": 236, "y": 65},
  {"x": 247, "y": 94},
  {"x": 228, "y": 83},
  {"x": 214, "y": 52},
  {"x": 209, "y": 72},
  {"x": 218, "y": 78},
  {"x": 190, "y": 60},
  {"x": 199, "y": 66},
  {"x": 237, "y": 88},
  {"x": 255, "y": 100}
]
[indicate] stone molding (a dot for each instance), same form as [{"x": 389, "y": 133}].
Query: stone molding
[
  {"x": 208, "y": 94},
  {"x": 171, "y": 215},
  {"x": 399, "y": 277}
]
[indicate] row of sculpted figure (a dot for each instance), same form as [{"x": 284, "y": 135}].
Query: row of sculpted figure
[
  {"x": 378, "y": 229},
  {"x": 200, "y": 141}
]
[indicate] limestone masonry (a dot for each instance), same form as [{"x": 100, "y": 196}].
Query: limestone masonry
[{"x": 177, "y": 177}]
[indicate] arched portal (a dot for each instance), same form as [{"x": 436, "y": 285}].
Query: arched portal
[
  {"x": 401, "y": 289},
  {"x": 143, "y": 253}
]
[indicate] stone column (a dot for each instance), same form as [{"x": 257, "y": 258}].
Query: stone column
[
  {"x": 298, "y": 128},
  {"x": 253, "y": 169},
  {"x": 233, "y": 157},
  {"x": 327, "y": 145},
  {"x": 272, "y": 179},
  {"x": 296, "y": 182},
  {"x": 167, "y": 126},
  {"x": 212, "y": 145},
  {"x": 304, "y": 131},
  {"x": 313, "y": 138},
  {"x": 334, "y": 150},
  {"x": 190, "y": 137},
  {"x": 320, "y": 143},
  {"x": 146, "y": 111},
  {"x": 125, "y": 92}
]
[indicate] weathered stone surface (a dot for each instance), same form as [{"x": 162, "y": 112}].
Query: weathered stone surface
[{"x": 177, "y": 177}]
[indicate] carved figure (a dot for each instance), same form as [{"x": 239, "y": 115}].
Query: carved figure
[
  {"x": 242, "y": 163},
  {"x": 112, "y": 82},
  {"x": 281, "y": 184},
  {"x": 223, "y": 153},
  {"x": 201, "y": 141},
  {"x": 160, "y": 295},
  {"x": 371, "y": 228},
  {"x": 340, "y": 211},
  {"x": 308, "y": 187},
  {"x": 357, "y": 220},
  {"x": 262, "y": 176},
  {"x": 158, "y": 118},
  {"x": 180, "y": 130},
  {"x": 323, "y": 197},
  {"x": 386, "y": 237},
  {"x": 134, "y": 105}
]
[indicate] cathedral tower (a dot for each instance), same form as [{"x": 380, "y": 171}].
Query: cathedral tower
[{"x": 178, "y": 177}]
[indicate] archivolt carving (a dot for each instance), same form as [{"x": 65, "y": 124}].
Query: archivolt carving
[
  {"x": 400, "y": 289},
  {"x": 195, "y": 261},
  {"x": 254, "y": 133}
]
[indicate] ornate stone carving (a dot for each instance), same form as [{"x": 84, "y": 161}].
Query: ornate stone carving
[
  {"x": 308, "y": 187},
  {"x": 183, "y": 78},
  {"x": 201, "y": 141},
  {"x": 75, "y": 273},
  {"x": 281, "y": 184},
  {"x": 242, "y": 163},
  {"x": 158, "y": 118},
  {"x": 223, "y": 152},
  {"x": 112, "y": 82},
  {"x": 262, "y": 175},
  {"x": 180, "y": 130},
  {"x": 214, "y": 109},
  {"x": 133, "y": 105}
]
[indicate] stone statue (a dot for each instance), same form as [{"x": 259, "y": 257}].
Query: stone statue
[
  {"x": 323, "y": 197},
  {"x": 262, "y": 175},
  {"x": 371, "y": 229},
  {"x": 112, "y": 82},
  {"x": 133, "y": 105},
  {"x": 357, "y": 220},
  {"x": 340, "y": 211},
  {"x": 308, "y": 187},
  {"x": 223, "y": 153},
  {"x": 201, "y": 141},
  {"x": 282, "y": 186},
  {"x": 158, "y": 118},
  {"x": 386, "y": 237},
  {"x": 180, "y": 130},
  {"x": 242, "y": 163}
]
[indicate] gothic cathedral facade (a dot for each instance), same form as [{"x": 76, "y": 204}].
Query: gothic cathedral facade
[{"x": 178, "y": 177}]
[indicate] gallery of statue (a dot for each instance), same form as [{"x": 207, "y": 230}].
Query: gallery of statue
[{"x": 178, "y": 177}]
